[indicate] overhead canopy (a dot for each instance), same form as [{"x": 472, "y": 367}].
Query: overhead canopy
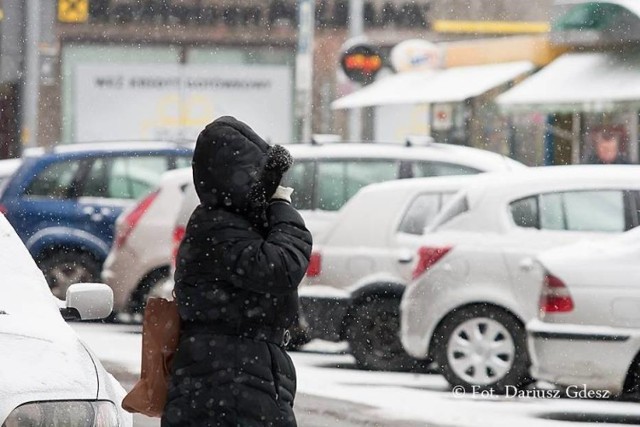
[
  {"x": 579, "y": 82},
  {"x": 436, "y": 86}
]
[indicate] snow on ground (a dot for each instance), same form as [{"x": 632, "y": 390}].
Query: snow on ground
[{"x": 325, "y": 370}]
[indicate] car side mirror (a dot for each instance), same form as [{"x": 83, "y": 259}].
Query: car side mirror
[{"x": 88, "y": 301}]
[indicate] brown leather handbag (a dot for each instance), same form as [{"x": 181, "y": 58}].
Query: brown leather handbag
[{"x": 160, "y": 335}]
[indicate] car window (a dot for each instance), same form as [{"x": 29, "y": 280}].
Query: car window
[
  {"x": 124, "y": 177},
  {"x": 595, "y": 211},
  {"x": 55, "y": 181},
  {"x": 525, "y": 212},
  {"x": 138, "y": 175},
  {"x": 421, "y": 212},
  {"x": 300, "y": 178},
  {"x": 427, "y": 169},
  {"x": 338, "y": 181},
  {"x": 96, "y": 182},
  {"x": 552, "y": 216},
  {"x": 601, "y": 211},
  {"x": 457, "y": 205},
  {"x": 183, "y": 162}
]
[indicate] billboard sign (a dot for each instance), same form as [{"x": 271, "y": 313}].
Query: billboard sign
[{"x": 115, "y": 102}]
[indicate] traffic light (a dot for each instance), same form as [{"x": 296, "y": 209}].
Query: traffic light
[{"x": 73, "y": 11}]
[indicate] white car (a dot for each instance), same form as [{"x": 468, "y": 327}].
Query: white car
[
  {"x": 587, "y": 335},
  {"x": 472, "y": 295},
  {"x": 139, "y": 258},
  {"x": 48, "y": 376},
  {"x": 360, "y": 266}
]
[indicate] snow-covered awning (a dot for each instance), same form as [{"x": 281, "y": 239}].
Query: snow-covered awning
[
  {"x": 436, "y": 86},
  {"x": 577, "y": 82}
]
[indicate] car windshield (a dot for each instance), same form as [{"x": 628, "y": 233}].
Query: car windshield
[{"x": 23, "y": 289}]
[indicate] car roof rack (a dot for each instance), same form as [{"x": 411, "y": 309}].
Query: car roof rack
[
  {"x": 412, "y": 140},
  {"x": 325, "y": 138}
]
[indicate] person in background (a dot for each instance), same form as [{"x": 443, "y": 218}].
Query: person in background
[
  {"x": 245, "y": 251},
  {"x": 607, "y": 149}
]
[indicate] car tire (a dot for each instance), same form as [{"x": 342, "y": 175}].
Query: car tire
[
  {"x": 483, "y": 348},
  {"x": 138, "y": 298},
  {"x": 372, "y": 330},
  {"x": 64, "y": 268},
  {"x": 298, "y": 338},
  {"x": 631, "y": 387}
]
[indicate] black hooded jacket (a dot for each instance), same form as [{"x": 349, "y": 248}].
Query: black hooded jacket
[
  {"x": 237, "y": 273},
  {"x": 242, "y": 257}
]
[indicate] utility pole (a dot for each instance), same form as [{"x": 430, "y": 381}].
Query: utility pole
[
  {"x": 304, "y": 68},
  {"x": 356, "y": 30},
  {"x": 31, "y": 77}
]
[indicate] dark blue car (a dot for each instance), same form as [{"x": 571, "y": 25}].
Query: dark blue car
[{"x": 64, "y": 203}]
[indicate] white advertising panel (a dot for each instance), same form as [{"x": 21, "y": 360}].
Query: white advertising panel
[{"x": 114, "y": 102}]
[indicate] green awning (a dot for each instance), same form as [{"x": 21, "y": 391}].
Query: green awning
[{"x": 596, "y": 16}]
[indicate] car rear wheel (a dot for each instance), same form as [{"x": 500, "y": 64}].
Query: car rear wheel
[
  {"x": 373, "y": 335},
  {"x": 64, "y": 268},
  {"x": 483, "y": 347},
  {"x": 151, "y": 285},
  {"x": 631, "y": 387}
]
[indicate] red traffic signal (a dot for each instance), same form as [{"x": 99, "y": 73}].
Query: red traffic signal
[{"x": 361, "y": 63}]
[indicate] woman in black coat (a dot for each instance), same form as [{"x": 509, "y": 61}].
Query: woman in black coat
[{"x": 237, "y": 272}]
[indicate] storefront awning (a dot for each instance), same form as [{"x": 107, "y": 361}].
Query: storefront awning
[
  {"x": 436, "y": 86},
  {"x": 579, "y": 82}
]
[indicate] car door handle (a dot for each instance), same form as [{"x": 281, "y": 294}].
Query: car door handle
[
  {"x": 526, "y": 264},
  {"x": 405, "y": 258}
]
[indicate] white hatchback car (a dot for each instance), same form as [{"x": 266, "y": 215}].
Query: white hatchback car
[
  {"x": 360, "y": 266},
  {"x": 587, "y": 335},
  {"x": 139, "y": 257},
  {"x": 472, "y": 295},
  {"x": 48, "y": 376}
]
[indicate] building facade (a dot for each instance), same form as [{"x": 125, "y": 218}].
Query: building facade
[{"x": 164, "y": 68}]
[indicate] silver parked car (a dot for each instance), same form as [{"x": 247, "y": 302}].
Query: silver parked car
[
  {"x": 473, "y": 295},
  {"x": 587, "y": 333},
  {"x": 360, "y": 266},
  {"x": 139, "y": 257}
]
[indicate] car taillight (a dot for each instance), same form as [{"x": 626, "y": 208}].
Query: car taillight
[
  {"x": 131, "y": 220},
  {"x": 555, "y": 296},
  {"x": 427, "y": 257},
  {"x": 178, "y": 235},
  {"x": 315, "y": 265}
]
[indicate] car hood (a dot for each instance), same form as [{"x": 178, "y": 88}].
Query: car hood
[{"x": 42, "y": 361}]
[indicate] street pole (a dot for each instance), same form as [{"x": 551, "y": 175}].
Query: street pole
[
  {"x": 31, "y": 78},
  {"x": 304, "y": 68},
  {"x": 356, "y": 30}
]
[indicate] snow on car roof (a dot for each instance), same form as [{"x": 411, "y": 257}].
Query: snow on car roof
[
  {"x": 531, "y": 180},
  {"x": 9, "y": 166},
  {"x": 468, "y": 156},
  {"x": 24, "y": 289},
  {"x": 133, "y": 145}
]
